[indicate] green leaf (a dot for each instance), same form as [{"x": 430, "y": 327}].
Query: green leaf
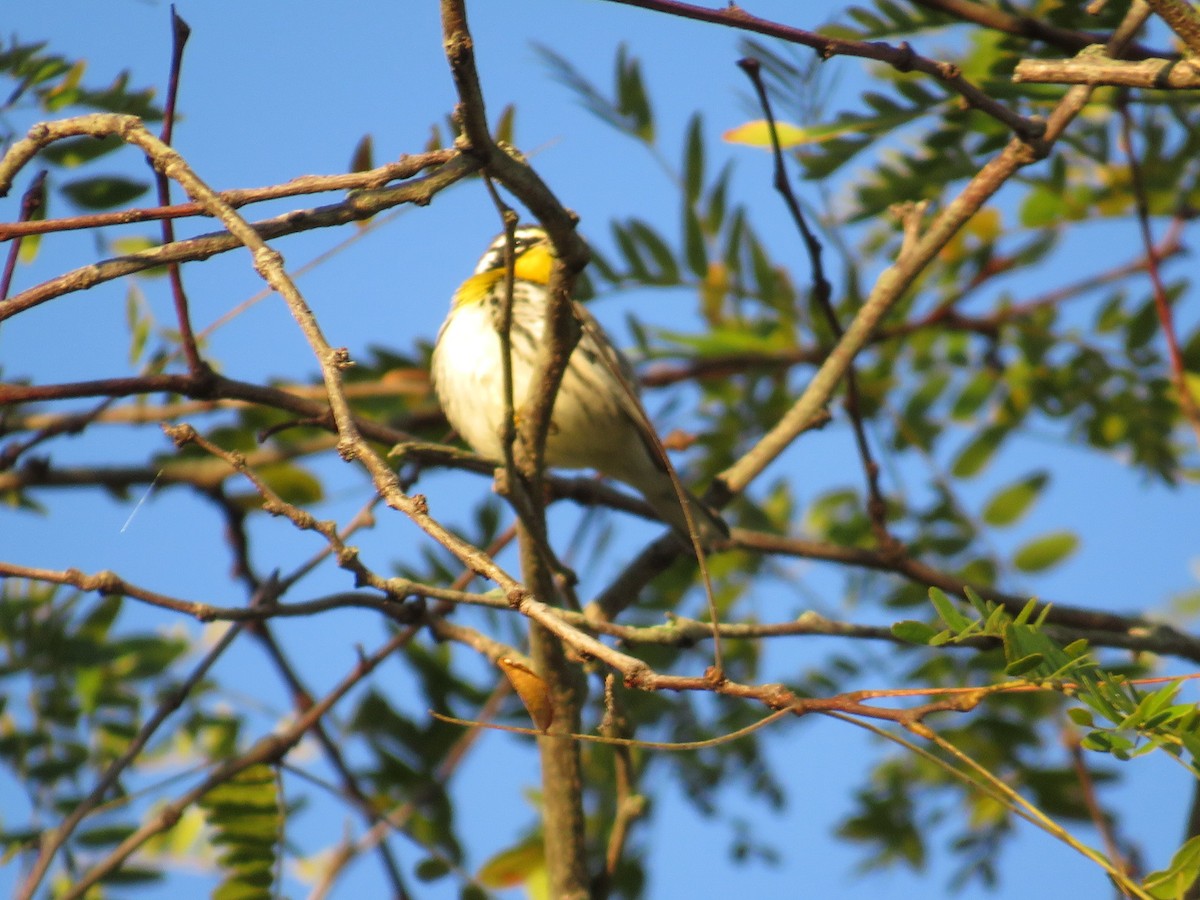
[
  {"x": 1173, "y": 882},
  {"x": 914, "y": 632},
  {"x": 660, "y": 253},
  {"x": 1142, "y": 327},
  {"x": 1076, "y": 649},
  {"x": 977, "y": 390},
  {"x": 432, "y": 868},
  {"x": 981, "y": 605},
  {"x": 978, "y": 452},
  {"x": 76, "y": 151},
  {"x": 1026, "y": 613},
  {"x": 946, "y": 608},
  {"x": 132, "y": 875},
  {"x": 715, "y": 204},
  {"x": 103, "y": 192},
  {"x": 1010, "y": 503},
  {"x": 31, "y": 243},
  {"x": 1025, "y": 664},
  {"x": 757, "y": 133},
  {"x": 638, "y": 270},
  {"x": 1081, "y": 717},
  {"x": 246, "y": 819},
  {"x": 140, "y": 326},
  {"x": 693, "y": 159},
  {"x": 1042, "y": 207},
  {"x": 562, "y": 70},
  {"x": 513, "y": 866},
  {"x": 68, "y": 758},
  {"x": 506, "y": 125},
  {"x": 1046, "y": 551},
  {"x": 693, "y": 243},
  {"x": 632, "y": 101},
  {"x": 292, "y": 483}
]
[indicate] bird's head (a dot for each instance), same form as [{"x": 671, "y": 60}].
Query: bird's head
[
  {"x": 533, "y": 260},
  {"x": 533, "y": 255}
]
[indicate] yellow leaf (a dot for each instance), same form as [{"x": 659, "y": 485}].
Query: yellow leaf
[
  {"x": 986, "y": 224},
  {"x": 713, "y": 291},
  {"x": 70, "y": 81},
  {"x": 29, "y": 248},
  {"x": 514, "y": 866},
  {"x": 1191, "y": 384},
  {"x": 531, "y": 689},
  {"x": 758, "y": 134},
  {"x": 983, "y": 228},
  {"x": 127, "y": 246}
]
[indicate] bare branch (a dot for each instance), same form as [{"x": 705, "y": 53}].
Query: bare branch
[
  {"x": 1092, "y": 69},
  {"x": 371, "y": 180},
  {"x": 1182, "y": 18},
  {"x": 356, "y": 208}
]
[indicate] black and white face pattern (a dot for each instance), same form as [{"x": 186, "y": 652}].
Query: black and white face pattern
[{"x": 526, "y": 236}]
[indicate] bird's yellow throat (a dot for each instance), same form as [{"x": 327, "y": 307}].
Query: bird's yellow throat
[{"x": 534, "y": 265}]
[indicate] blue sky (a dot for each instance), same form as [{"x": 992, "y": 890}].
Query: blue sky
[{"x": 272, "y": 91}]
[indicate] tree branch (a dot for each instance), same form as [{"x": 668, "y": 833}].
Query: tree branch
[
  {"x": 356, "y": 208},
  {"x": 1182, "y": 18},
  {"x": 901, "y": 58},
  {"x": 894, "y": 281},
  {"x": 1092, "y": 69}
]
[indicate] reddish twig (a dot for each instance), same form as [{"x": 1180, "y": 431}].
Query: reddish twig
[
  {"x": 32, "y": 201},
  {"x": 1100, "y": 820},
  {"x": 179, "y": 35},
  {"x": 1187, "y": 403}
]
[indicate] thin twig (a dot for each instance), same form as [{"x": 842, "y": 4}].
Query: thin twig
[
  {"x": 355, "y": 208},
  {"x": 32, "y": 202},
  {"x": 1162, "y": 306},
  {"x": 821, "y": 291},
  {"x": 999, "y": 19},
  {"x": 902, "y": 58},
  {"x": 374, "y": 179},
  {"x": 1182, "y": 18},
  {"x": 179, "y": 36},
  {"x": 1100, "y": 820}
]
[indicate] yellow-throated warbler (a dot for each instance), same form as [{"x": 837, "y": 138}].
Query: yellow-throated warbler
[{"x": 598, "y": 422}]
